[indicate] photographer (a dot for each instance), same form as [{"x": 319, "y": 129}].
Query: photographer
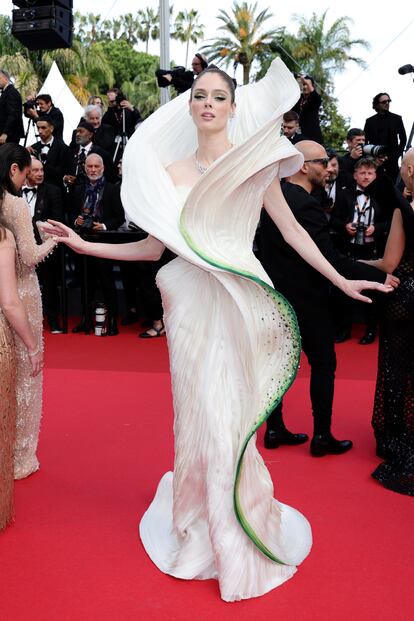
[
  {"x": 363, "y": 224},
  {"x": 43, "y": 107},
  {"x": 97, "y": 205},
  {"x": 11, "y": 122},
  {"x": 121, "y": 114},
  {"x": 308, "y": 109},
  {"x": 179, "y": 77}
]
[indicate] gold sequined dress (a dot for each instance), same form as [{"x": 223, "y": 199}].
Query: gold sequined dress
[
  {"x": 7, "y": 414},
  {"x": 16, "y": 217}
]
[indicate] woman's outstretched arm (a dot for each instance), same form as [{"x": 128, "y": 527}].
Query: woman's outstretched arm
[
  {"x": 395, "y": 246},
  {"x": 148, "y": 249},
  {"x": 296, "y": 236}
]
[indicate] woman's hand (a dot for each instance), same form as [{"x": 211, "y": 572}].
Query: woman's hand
[
  {"x": 64, "y": 234},
  {"x": 36, "y": 360},
  {"x": 353, "y": 288}
]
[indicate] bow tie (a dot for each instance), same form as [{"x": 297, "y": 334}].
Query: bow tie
[
  {"x": 27, "y": 190},
  {"x": 361, "y": 193},
  {"x": 45, "y": 146}
]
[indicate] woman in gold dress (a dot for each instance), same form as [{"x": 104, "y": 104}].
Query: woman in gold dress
[
  {"x": 15, "y": 216},
  {"x": 12, "y": 317}
]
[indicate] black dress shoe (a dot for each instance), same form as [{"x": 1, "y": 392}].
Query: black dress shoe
[
  {"x": 112, "y": 327},
  {"x": 55, "y": 327},
  {"x": 273, "y": 439},
  {"x": 368, "y": 338},
  {"x": 342, "y": 336},
  {"x": 326, "y": 444}
]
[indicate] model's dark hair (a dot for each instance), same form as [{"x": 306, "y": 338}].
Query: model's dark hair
[
  {"x": 11, "y": 153},
  {"x": 225, "y": 76},
  {"x": 376, "y": 99}
]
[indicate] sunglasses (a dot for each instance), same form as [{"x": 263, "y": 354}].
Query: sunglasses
[
  {"x": 320, "y": 160},
  {"x": 385, "y": 101}
]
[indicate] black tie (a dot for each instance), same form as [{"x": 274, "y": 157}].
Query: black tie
[
  {"x": 45, "y": 146},
  {"x": 27, "y": 190},
  {"x": 360, "y": 193}
]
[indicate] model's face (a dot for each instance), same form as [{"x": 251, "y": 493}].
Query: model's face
[
  {"x": 94, "y": 118},
  {"x": 17, "y": 176},
  {"x": 94, "y": 168},
  {"x": 210, "y": 105},
  {"x": 290, "y": 128},
  {"x": 36, "y": 174},
  {"x": 45, "y": 130},
  {"x": 43, "y": 105},
  {"x": 364, "y": 176}
]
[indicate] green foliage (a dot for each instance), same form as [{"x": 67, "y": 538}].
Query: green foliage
[
  {"x": 334, "y": 126},
  {"x": 187, "y": 28}
]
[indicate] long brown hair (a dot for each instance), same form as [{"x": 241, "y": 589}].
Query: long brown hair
[{"x": 10, "y": 153}]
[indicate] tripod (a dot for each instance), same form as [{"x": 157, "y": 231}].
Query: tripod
[
  {"x": 30, "y": 123},
  {"x": 121, "y": 141}
]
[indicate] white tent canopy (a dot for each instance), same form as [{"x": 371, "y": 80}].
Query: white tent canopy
[{"x": 62, "y": 98}]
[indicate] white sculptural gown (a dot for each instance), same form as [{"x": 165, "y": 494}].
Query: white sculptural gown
[{"x": 233, "y": 343}]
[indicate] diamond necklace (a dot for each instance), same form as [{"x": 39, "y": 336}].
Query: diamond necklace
[{"x": 202, "y": 169}]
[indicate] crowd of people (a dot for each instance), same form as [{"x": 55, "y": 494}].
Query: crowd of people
[{"x": 332, "y": 226}]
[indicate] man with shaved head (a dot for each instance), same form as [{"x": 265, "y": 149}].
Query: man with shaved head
[{"x": 308, "y": 292}]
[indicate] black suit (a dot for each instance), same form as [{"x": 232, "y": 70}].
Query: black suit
[
  {"x": 388, "y": 130},
  {"x": 71, "y": 163},
  {"x": 113, "y": 117},
  {"x": 11, "y": 122},
  {"x": 53, "y": 161},
  {"x": 48, "y": 205},
  {"x": 308, "y": 109},
  {"x": 112, "y": 216},
  {"x": 308, "y": 292},
  {"x": 104, "y": 137}
]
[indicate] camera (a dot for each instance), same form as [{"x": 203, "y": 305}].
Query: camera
[
  {"x": 360, "y": 229},
  {"x": 374, "y": 150},
  {"x": 181, "y": 78},
  {"x": 30, "y": 104},
  {"x": 119, "y": 97}
]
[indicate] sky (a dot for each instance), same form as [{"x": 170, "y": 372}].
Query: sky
[{"x": 389, "y": 30}]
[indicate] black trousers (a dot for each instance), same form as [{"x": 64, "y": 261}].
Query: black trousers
[
  {"x": 317, "y": 332},
  {"x": 49, "y": 280}
]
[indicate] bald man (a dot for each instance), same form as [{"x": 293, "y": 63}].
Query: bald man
[{"x": 308, "y": 292}]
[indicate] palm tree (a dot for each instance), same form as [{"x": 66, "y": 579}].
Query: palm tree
[
  {"x": 148, "y": 25},
  {"x": 187, "y": 28},
  {"x": 131, "y": 26},
  {"x": 244, "y": 38},
  {"x": 323, "y": 51}
]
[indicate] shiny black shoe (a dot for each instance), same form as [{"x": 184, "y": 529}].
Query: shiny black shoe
[
  {"x": 368, "y": 338},
  {"x": 112, "y": 327},
  {"x": 273, "y": 439},
  {"x": 341, "y": 337},
  {"x": 326, "y": 444}
]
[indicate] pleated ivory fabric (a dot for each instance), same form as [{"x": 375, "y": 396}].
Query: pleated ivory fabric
[{"x": 233, "y": 342}]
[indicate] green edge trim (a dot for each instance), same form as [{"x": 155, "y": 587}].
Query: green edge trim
[{"x": 289, "y": 314}]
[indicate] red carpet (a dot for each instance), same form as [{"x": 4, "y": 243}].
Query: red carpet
[{"x": 73, "y": 553}]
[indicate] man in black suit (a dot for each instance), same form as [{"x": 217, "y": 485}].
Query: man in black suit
[
  {"x": 97, "y": 207},
  {"x": 74, "y": 164},
  {"x": 45, "y": 201},
  {"x": 336, "y": 183},
  {"x": 355, "y": 139},
  {"x": 46, "y": 108},
  {"x": 51, "y": 151},
  {"x": 290, "y": 127},
  {"x": 308, "y": 292},
  {"x": 11, "y": 122},
  {"x": 308, "y": 109},
  {"x": 386, "y": 128},
  {"x": 362, "y": 224}
]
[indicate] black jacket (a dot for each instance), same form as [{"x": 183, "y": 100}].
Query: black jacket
[
  {"x": 111, "y": 207},
  {"x": 54, "y": 162},
  {"x": 70, "y": 163},
  {"x": 304, "y": 287},
  {"x": 113, "y": 117},
  {"x": 308, "y": 110},
  {"x": 48, "y": 205},
  {"x": 11, "y": 121},
  {"x": 343, "y": 213}
]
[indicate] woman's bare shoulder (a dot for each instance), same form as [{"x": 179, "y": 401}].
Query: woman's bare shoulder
[{"x": 183, "y": 171}]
